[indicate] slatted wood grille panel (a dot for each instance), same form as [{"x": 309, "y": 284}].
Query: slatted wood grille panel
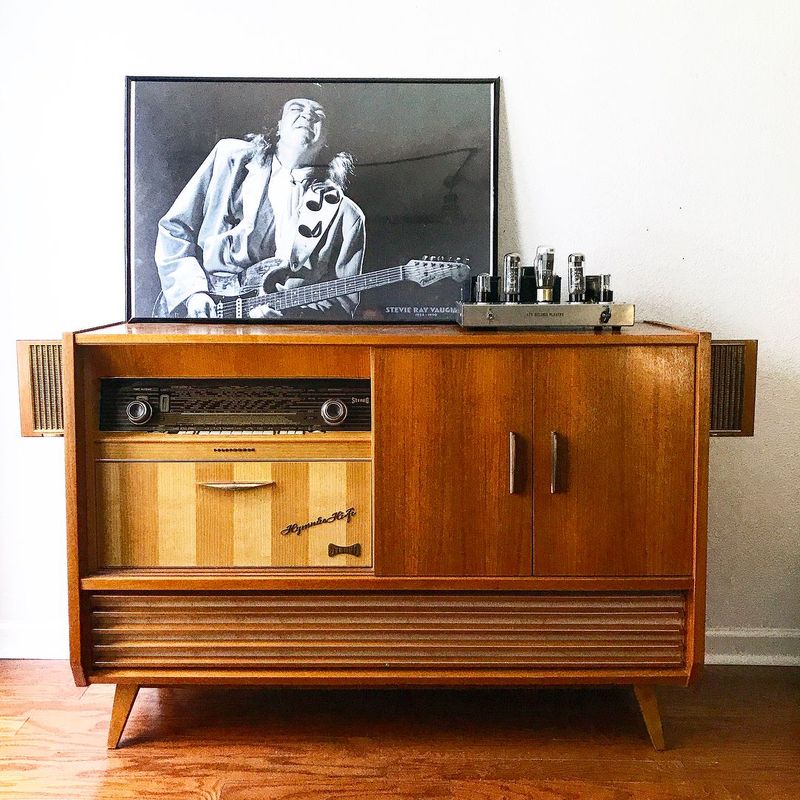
[
  {"x": 39, "y": 366},
  {"x": 727, "y": 375},
  {"x": 733, "y": 387},
  {"x": 430, "y": 630}
]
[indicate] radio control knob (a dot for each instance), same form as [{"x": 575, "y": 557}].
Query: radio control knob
[
  {"x": 139, "y": 411},
  {"x": 334, "y": 412}
]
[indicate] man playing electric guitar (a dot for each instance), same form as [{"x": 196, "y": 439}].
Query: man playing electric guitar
[{"x": 259, "y": 209}]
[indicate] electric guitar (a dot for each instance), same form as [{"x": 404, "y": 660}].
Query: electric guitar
[{"x": 254, "y": 297}]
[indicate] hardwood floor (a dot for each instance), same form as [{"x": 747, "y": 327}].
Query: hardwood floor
[{"x": 737, "y": 735}]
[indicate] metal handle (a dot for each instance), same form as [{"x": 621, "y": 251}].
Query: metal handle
[
  {"x": 554, "y": 462},
  {"x": 512, "y": 462},
  {"x": 235, "y": 487}
]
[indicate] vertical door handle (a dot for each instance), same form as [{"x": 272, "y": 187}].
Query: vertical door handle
[
  {"x": 512, "y": 462},
  {"x": 554, "y": 483}
]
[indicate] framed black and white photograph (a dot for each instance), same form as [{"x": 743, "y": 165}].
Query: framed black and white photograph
[{"x": 277, "y": 200}]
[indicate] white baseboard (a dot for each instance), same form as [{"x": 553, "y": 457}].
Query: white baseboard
[
  {"x": 31, "y": 640},
  {"x": 769, "y": 646}
]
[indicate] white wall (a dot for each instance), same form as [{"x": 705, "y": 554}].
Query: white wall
[{"x": 660, "y": 138}]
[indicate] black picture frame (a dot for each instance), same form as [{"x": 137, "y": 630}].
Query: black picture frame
[{"x": 423, "y": 189}]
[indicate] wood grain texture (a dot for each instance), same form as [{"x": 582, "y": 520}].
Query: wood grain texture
[
  {"x": 124, "y": 698},
  {"x": 442, "y": 420},
  {"x": 401, "y": 631},
  {"x": 749, "y": 389},
  {"x": 733, "y": 737},
  {"x": 697, "y": 597},
  {"x": 182, "y": 514},
  {"x": 345, "y": 336},
  {"x": 625, "y": 421},
  {"x": 76, "y": 507},
  {"x": 241, "y": 579},
  {"x": 279, "y": 447},
  {"x": 444, "y": 403},
  {"x": 392, "y": 677},
  {"x": 648, "y": 705},
  {"x": 25, "y": 389},
  {"x": 235, "y": 359}
]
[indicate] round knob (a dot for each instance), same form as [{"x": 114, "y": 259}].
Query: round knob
[
  {"x": 139, "y": 411},
  {"x": 334, "y": 412}
]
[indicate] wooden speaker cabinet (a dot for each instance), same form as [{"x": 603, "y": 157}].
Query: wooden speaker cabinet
[{"x": 527, "y": 508}]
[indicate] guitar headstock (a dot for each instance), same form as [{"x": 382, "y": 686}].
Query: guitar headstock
[{"x": 431, "y": 269}]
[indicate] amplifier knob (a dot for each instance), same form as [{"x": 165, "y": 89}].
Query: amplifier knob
[
  {"x": 334, "y": 412},
  {"x": 139, "y": 411}
]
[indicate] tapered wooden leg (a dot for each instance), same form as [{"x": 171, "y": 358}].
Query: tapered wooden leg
[
  {"x": 124, "y": 696},
  {"x": 648, "y": 704}
]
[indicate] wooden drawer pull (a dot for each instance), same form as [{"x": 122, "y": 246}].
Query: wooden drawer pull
[
  {"x": 235, "y": 487},
  {"x": 512, "y": 462},
  {"x": 350, "y": 550},
  {"x": 557, "y": 444}
]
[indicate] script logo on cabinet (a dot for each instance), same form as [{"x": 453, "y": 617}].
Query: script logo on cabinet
[{"x": 336, "y": 516}]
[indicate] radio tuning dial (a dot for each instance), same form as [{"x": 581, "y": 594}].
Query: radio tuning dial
[
  {"x": 334, "y": 412},
  {"x": 139, "y": 412}
]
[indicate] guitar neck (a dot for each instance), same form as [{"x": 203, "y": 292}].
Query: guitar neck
[{"x": 315, "y": 292}]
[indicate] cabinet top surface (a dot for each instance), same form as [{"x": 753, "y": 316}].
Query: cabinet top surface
[{"x": 376, "y": 335}]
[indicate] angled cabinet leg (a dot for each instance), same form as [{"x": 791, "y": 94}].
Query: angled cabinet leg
[
  {"x": 124, "y": 697},
  {"x": 648, "y": 705}
]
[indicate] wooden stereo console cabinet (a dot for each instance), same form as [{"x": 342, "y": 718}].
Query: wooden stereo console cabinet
[{"x": 527, "y": 508}]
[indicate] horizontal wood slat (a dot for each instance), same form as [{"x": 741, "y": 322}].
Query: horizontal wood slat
[
  {"x": 335, "y": 445},
  {"x": 412, "y": 630}
]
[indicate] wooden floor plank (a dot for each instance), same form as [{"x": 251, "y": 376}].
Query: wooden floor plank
[
  {"x": 734, "y": 737},
  {"x": 10, "y": 725}
]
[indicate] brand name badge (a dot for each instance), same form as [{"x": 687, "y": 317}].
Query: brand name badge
[{"x": 336, "y": 516}]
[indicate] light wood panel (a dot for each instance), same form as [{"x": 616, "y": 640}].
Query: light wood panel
[
  {"x": 208, "y": 447},
  {"x": 625, "y": 420},
  {"x": 345, "y": 631},
  {"x": 442, "y": 420},
  {"x": 165, "y": 514}
]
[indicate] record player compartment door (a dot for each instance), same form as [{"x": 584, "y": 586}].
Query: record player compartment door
[{"x": 234, "y": 514}]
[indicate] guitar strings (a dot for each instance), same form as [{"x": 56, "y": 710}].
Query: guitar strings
[{"x": 327, "y": 290}]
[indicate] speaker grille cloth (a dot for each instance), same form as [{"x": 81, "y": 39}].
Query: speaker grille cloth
[
  {"x": 727, "y": 386},
  {"x": 46, "y": 388}
]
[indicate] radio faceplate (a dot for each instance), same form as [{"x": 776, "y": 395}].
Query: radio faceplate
[{"x": 235, "y": 405}]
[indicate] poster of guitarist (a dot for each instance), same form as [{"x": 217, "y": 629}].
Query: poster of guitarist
[
  {"x": 226, "y": 225},
  {"x": 262, "y": 213}
]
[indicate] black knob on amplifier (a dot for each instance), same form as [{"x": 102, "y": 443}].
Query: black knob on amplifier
[
  {"x": 139, "y": 411},
  {"x": 334, "y": 412}
]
